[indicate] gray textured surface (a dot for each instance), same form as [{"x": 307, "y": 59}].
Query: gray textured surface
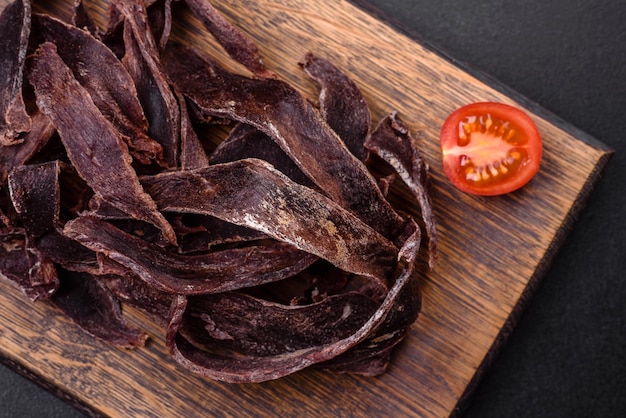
[
  {"x": 21, "y": 398},
  {"x": 565, "y": 358}
]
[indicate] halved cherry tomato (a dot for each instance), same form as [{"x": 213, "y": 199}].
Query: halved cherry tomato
[{"x": 490, "y": 148}]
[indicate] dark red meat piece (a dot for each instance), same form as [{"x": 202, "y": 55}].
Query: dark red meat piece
[
  {"x": 36, "y": 195},
  {"x": 192, "y": 154},
  {"x": 142, "y": 61},
  {"x": 81, "y": 18},
  {"x": 211, "y": 360},
  {"x": 160, "y": 20},
  {"x": 16, "y": 265},
  {"x": 392, "y": 142},
  {"x": 19, "y": 153},
  {"x": 41, "y": 131},
  {"x": 254, "y": 327},
  {"x": 245, "y": 141},
  {"x": 236, "y": 43},
  {"x": 92, "y": 306},
  {"x": 14, "y": 31},
  {"x": 130, "y": 289},
  {"x": 341, "y": 103}
]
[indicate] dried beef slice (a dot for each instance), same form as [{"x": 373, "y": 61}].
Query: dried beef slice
[
  {"x": 14, "y": 33},
  {"x": 265, "y": 252}
]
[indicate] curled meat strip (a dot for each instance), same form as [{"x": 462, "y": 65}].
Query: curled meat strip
[
  {"x": 14, "y": 32},
  {"x": 143, "y": 63},
  {"x": 217, "y": 271},
  {"x": 392, "y": 142},
  {"x": 235, "y": 42},
  {"x": 92, "y": 305},
  {"x": 342, "y": 105},
  {"x": 16, "y": 265}
]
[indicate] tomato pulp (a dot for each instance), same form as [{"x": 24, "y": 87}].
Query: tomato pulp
[{"x": 490, "y": 148}]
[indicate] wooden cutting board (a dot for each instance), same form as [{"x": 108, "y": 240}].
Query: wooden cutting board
[{"x": 493, "y": 251}]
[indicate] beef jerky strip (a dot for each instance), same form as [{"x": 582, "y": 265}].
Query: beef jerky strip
[
  {"x": 35, "y": 192},
  {"x": 245, "y": 141},
  {"x": 237, "y": 44},
  {"x": 113, "y": 35},
  {"x": 14, "y": 32},
  {"x": 278, "y": 110},
  {"x": 217, "y": 271},
  {"x": 68, "y": 253},
  {"x": 16, "y": 264},
  {"x": 93, "y": 145},
  {"x": 129, "y": 289},
  {"x": 41, "y": 131},
  {"x": 35, "y": 195},
  {"x": 19, "y": 153},
  {"x": 92, "y": 306},
  {"x": 196, "y": 235},
  {"x": 342, "y": 105},
  {"x": 106, "y": 80},
  {"x": 252, "y": 193},
  {"x": 42, "y": 271},
  {"x": 392, "y": 141},
  {"x": 200, "y": 233},
  {"x": 157, "y": 98},
  {"x": 212, "y": 362},
  {"x": 253, "y": 327},
  {"x": 81, "y": 18},
  {"x": 160, "y": 18},
  {"x": 371, "y": 356},
  {"x": 192, "y": 154}
]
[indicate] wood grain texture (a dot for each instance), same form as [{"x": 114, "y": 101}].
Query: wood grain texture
[{"x": 493, "y": 251}]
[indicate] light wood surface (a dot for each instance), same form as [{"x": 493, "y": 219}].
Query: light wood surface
[{"x": 493, "y": 251}]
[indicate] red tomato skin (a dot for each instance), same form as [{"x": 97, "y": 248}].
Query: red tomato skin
[{"x": 449, "y": 139}]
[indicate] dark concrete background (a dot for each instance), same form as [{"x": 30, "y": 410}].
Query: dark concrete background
[{"x": 565, "y": 358}]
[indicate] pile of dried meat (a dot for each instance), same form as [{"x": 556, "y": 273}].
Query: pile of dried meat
[{"x": 268, "y": 253}]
